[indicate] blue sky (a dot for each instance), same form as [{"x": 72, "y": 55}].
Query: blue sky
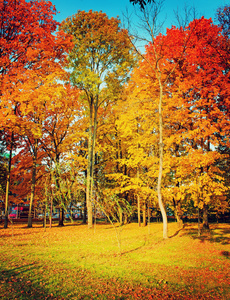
[{"x": 114, "y": 8}]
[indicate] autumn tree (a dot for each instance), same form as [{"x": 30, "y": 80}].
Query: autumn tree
[
  {"x": 58, "y": 131},
  {"x": 41, "y": 94},
  {"x": 126, "y": 142},
  {"x": 162, "y": 73},
  {"x": 223, "y": 19},
  {"x": 101, "y": 58},
  {"x": 27, "y": 42},
  {"x": 47, "y": 139},
  {"x": 163, "y": 54},
  {"x": 202, "y": 83},
  {"x": 112, "y": 170}
]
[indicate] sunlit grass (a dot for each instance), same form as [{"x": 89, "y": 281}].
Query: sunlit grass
[{"x": 76, "y": 263}]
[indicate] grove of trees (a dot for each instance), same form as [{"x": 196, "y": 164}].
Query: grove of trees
[{"x": 88, "y": 118}]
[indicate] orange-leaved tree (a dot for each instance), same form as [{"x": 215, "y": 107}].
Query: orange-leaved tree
[
  {"x": 61, "y": 134},
  {"x": 27, "y": 42},
  {"x": 41, "y": 99},
  {"x": 47, "y": 139},
  {"x": 203, "y": 82}
]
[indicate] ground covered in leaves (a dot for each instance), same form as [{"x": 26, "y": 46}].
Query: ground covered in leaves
[{"x": 72, "y": 262}]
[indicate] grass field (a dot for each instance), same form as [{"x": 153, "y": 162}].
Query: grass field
[{"x": 72, "y": 262}]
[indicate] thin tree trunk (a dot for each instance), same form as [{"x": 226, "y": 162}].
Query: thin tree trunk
[
  {"x": 33, "y": 183},
  {"x": 85, "y": 210},
  {"x": 51, "y": 209},
  {"x": 89, "y": 172},
  {"x": 198, "y": 200},
  {"x": 160, "y": 202},
  {"x": 8, "y": 182},
  {"x": 144, "y": 221},
  {"x": 6, "y": 201},
  {"x": 198, "y": 212},
  {"x": 148, "y": 218},
  {"x": 138, "y": 210},
  {"x": 138, "y": 203},
  {"x": 205, "y": 208},
  {"x": 44, "y": 219},
  {"x": 177, "y": 203},
  {"x": 94, "y": 136},
  {"x": 57, "y": 182},
  {"x": 91, "y": 161}
]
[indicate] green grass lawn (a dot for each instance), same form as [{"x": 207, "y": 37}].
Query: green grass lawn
[{"x": 72, "y": 262}]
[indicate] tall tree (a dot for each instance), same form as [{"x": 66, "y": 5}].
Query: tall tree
[
  {"x": 163, "y": 55},
  {"x": 202, "y": 82},
  {"x": 27, "y": 41},
  {"x": 101, "y": 58}
]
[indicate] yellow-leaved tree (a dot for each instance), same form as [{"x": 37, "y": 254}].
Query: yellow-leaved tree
[{"x": 99, "y": 62}]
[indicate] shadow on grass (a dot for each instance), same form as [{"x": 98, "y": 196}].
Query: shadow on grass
[
  {"x": 14, "y": 284},
  {"x": 225, "y": 253},
  {"x": 75, "y": 223},
  {"x": 213, "y": 235},
  {"x": 135, "y": 249},
  {"x": 178, "y": 231}
]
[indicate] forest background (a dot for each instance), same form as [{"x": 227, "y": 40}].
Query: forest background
[{"x": 87, "y": 117}]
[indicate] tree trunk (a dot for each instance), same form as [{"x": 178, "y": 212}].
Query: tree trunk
[
  {"x": 6, "y": 201},
  {"x": 178, "y": 219},
  {"x": 138, "y": 210},
  {"x": 144, "y": 222},
  {"x": 178, "y": 213},
  {"x": 94, "y": 136},
  {"x": 33, "y": 183},
  {"x": 85, "y": 210},
  {"x": 8, "y": 183},
  {"x": 205, "y": 217},
  {"x": 138, "y": 203},
  {"x": 91, "y": 159},
  {"x": 148, "y": 209},
  {"x": 205, "y": 207},
  {"x": 160, "y": 202},
  {"x": 44, "y": 219},
  {"x": 51, "y": 210},
  {"x": 198, "y": 212},
  {"x": 177, "y": 203},
  {"x": 61, "y": 217},
  {"x": 89, "y": 173}
]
